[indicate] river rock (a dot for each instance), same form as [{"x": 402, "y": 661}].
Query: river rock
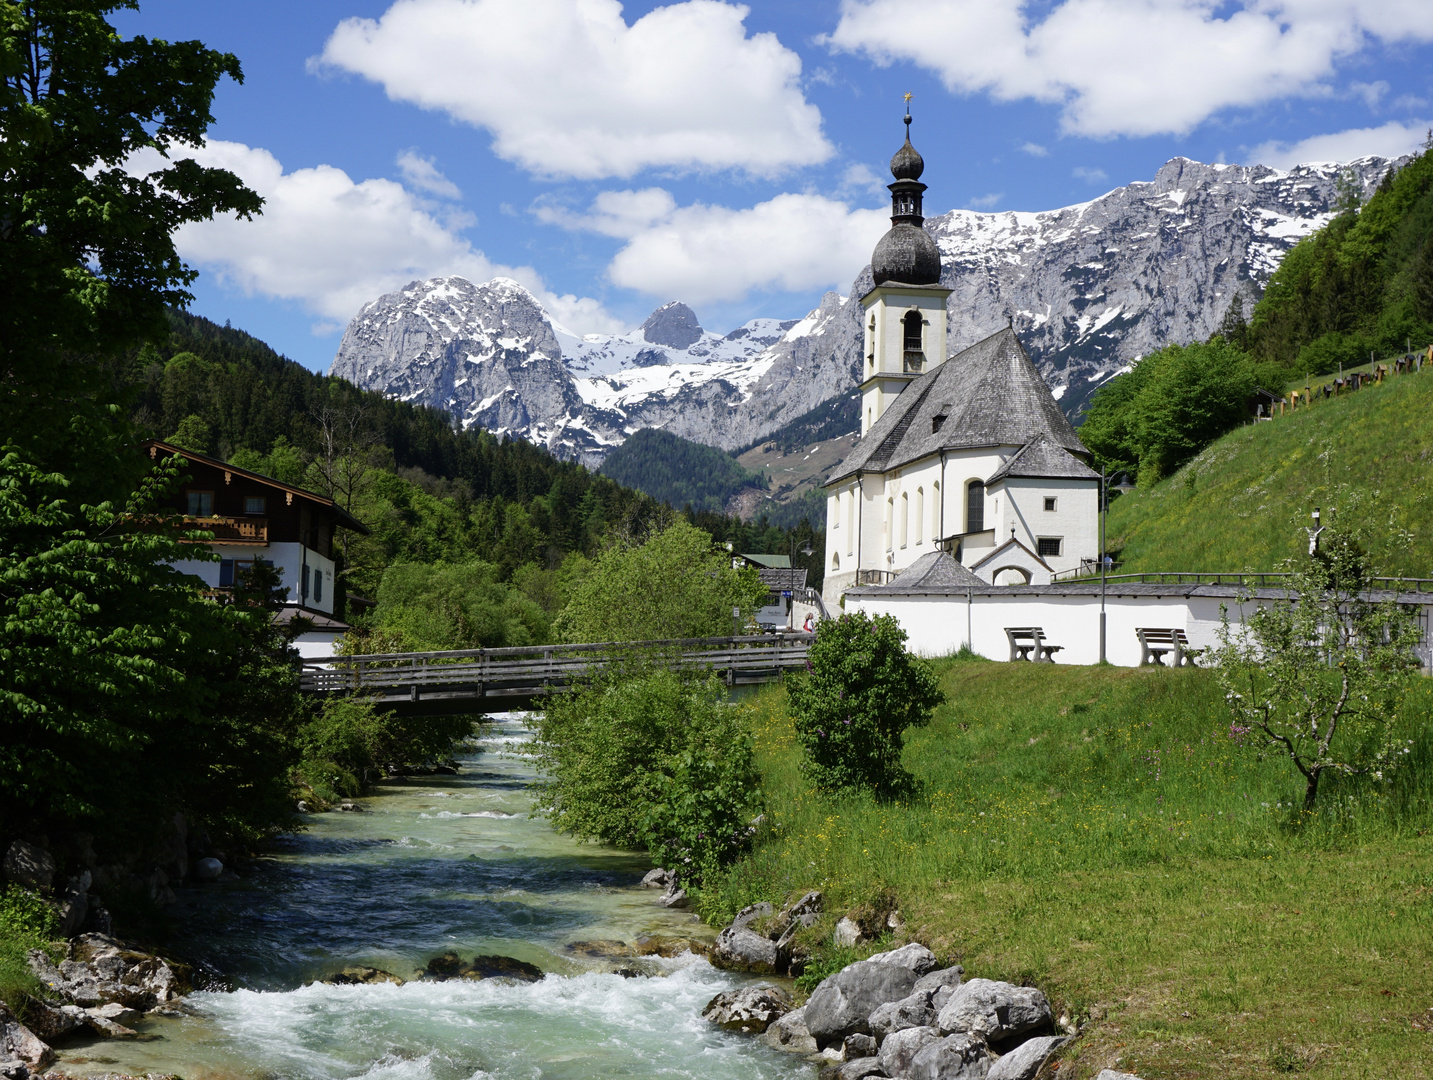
[
  {"x": 601, "y": 949},
  {"x": 1111, "y": 1074},
  {"x": 675, "y": 898},
  {"x": 751, "y": 1009},
  {"x": 955, "y": 1057},
  {"x": 943, "y": 977},
  {"x": 49, "y": 1022},
  {"x": 914, "y": 1010},
  {"x": 662, "y": 945},
  {"x": 29, "y": 866},
  {"x": 996, "y": 1010},
  {"x": 899, "y": 1049},
  {"x": 915, "y": 956},
  {"x": 445, "y": 966},
  {"x": 502, "y": 967},
  {"x": 848, "y": 933},
  {"x": 789, "y": 1033},
  {"x": 658, "y": 879},
  {"x": 842, "y": 1004},
  {"x": 740, "y": 949},
  {"x": 19, "y": 1043},
  {"x": 112, "y": 1021},
  {"x": 858, "y": 1046},
  {"x": 1027, "y": 1059},
  {"x": 208, "y": 869},
  {"x": 749, "y": 914},
  {"x": 362, "y": 976},
  {"x": 856, "y": 1069},
  {"x": 101, "y": 971}
]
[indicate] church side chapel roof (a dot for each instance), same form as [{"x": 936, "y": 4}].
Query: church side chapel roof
[
  {"x": 1042, "y": 459},
  {"x": 990, "y": 395},
  {"x": 936, "y": 570}
]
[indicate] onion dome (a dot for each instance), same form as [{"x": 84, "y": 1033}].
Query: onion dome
[
  {"x": 907, "y": 254},
  {"x": 907, "y": 164}
]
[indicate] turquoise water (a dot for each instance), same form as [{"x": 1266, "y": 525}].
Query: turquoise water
[{"x": 437, "y": 864}]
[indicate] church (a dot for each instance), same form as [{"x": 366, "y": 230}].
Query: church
[{"x": 967, "y": 455}]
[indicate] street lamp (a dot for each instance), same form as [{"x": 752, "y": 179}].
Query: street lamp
[{"x": 1123, "y": 484}]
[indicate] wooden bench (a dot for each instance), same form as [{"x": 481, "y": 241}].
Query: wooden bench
[
  {"x": 1155, "y": 642},
  {"x": 1025, "y": 640}
]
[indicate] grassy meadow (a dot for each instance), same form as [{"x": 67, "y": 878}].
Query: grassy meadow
[
  {"x": 1243, "y": 502},
  {"x": 1096, "y": 831}
]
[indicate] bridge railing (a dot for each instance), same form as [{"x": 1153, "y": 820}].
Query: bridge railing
[{"x": 538, "y": 668}]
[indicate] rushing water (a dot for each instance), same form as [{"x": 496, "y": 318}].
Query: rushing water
[{"x": 437, "y": 864}]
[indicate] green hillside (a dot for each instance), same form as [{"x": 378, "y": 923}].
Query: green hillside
[
  {"x": 1243, "y": 502},
  {"x": 678, "y": 471}
]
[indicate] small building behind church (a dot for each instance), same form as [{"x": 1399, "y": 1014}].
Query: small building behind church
[{"x": 968, "y": 454}]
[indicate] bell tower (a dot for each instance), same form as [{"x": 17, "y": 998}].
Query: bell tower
[{"x": 904, "y": 316}]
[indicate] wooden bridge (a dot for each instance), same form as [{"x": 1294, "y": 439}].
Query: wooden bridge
[{"x": 478, "y": 680}]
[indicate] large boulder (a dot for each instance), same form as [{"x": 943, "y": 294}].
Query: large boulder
[
  {"x": 855, "y": 1069},
  {"x": 842, "y": 1004},
  {"x": 359, "y": 975},
  {"x": 913, "y": 1010},
  {"x": 899, "y": 1049},
  {"x": 101, "y": 971},
  {"x": 789, "y": 1033},
  {"x": 740, "y": 949},
  {"x": 940, "y": 978},
  {"x": 751, "y": 1009},
  {"x": 1027, "y": 1059},
  {"x": 995, "y": 1010},
  {"x": 955, "y": 1057},
  {"x": 19, "y": 1043},
  {"x": 29, "y": 866}
]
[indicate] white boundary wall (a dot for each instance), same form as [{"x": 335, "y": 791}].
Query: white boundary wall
[{"x": 939, "y": 624}]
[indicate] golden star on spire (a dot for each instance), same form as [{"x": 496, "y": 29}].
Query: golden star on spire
[{"x": 908, "y": 95}]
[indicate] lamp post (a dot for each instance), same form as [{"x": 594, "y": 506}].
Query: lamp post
[
  {"x": 1122, "y": 485},
  {"x": 807, "y": 550}
]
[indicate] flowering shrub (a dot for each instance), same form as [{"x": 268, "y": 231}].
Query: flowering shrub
[{"x": 861, "y": 691}]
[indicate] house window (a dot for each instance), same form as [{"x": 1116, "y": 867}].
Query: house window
[
  {"x": 303, "y": 584},
  {"x": 317, "y": 585},
  {"x": 226, "y": 574},
  {"x": 936, "y": 423},
  {"x": 1049, "y": 502},
  {"x": 1047, "y": 546},
  {"x": 254, "y": 504},
  {"x": 200, "y": 503},
  {"x": 975, "y": 507}
]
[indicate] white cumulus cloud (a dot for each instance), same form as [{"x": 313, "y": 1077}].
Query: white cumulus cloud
[
  {"x": 332, "y": 244},
  {"x": 1129, "y": 67},
  {"x": 423, "y": 173},
  {"x": 568, "y": 88},
  {"x": 1390, "y": 140}
]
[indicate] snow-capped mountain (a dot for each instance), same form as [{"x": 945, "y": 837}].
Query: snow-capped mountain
[{"x": 1090, "y": 288}]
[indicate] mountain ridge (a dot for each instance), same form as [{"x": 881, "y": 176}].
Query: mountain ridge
[{"x": 1089, "y": 287}]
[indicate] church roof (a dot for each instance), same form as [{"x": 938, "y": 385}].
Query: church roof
[
  {"x": 936, "y": 570},
  {"x": 1040, "y": 458},
  {"x": 989, "y": 395}
]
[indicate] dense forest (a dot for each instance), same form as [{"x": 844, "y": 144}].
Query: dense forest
[
  {"x": 678, "y": 471},
  {"x": 1359, "y": 288},
  {"x": 431, "y": 492}
]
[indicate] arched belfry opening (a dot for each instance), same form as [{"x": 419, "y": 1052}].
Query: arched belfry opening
[{"x": 913, "y": 353}]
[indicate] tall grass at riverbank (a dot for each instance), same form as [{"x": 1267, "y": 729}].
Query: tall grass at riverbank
[{"x": 1099, "y": 832}]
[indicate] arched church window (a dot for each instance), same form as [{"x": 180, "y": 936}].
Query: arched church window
[
  {"x": 890, "y": 523},
  {"x": 913, "y": 350},
  {"x": 975, "y": 507},
  {"x": 905, "y": 518},
  {"x": 851, "y": 522},
  {"x": 835, "y": 561},
  {"x": 920, "y": 515}
]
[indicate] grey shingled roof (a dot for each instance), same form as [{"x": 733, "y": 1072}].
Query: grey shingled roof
[
  {"x": 1041, "y": 458},
  {"x": 777, "y": 579},
  {"x": 936, "y": 570},
  {"x": 990, "y": 395}
]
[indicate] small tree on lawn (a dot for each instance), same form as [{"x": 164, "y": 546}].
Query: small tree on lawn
[
  {"x": 1320, "y": 675},
  {"x": 852, "y": 707}
]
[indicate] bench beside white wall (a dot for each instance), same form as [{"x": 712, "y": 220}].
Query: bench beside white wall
[{"x": 937, "y": 624}]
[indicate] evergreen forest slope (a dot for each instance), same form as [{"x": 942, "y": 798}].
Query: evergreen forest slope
[
  {"x": 678, "y": 471},
  {"x": 1243, "y": 502}
]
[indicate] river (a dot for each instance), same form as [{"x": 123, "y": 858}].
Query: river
[{"x": 437, "y": 864}]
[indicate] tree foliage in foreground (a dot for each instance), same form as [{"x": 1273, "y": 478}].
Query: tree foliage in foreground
[
  {"x": 1321, "y": 674},
  {"x": 852, "y": 707},
  {"x": 652, "y": 760},
  {"x": 674, "y": 585}
]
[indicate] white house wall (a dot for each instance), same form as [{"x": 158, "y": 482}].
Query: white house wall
[
  {"x": 1075, "y": 518},
  {"x": 288, "y": 559},
  {"x": 938, "y": 625}
]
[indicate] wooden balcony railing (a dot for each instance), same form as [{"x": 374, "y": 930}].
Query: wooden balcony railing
[{"x": 233, "y": 530}]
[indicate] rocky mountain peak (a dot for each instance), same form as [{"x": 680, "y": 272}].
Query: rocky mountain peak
[{"x": 674, "y": 325}]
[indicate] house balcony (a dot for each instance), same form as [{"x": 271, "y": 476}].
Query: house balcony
[{"x": 233, "y": 530}]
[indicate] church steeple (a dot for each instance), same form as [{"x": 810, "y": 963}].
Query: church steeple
[{"x": 905, "y": 313}]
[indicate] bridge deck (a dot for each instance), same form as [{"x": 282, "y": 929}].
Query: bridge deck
[{"x": 471, "y": 679}]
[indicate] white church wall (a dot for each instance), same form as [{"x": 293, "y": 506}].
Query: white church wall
[{"x": 1075, "y": 519}]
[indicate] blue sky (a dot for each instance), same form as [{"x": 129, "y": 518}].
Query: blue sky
[{"x": 613, "y": 157}]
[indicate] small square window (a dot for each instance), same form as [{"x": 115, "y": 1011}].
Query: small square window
[
  {"x": 255, "y": 504},
  {"x": 1049, "y": 502},
  {"x": 1049, "y": 545},
  {"x": 200, "y": 504}
]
